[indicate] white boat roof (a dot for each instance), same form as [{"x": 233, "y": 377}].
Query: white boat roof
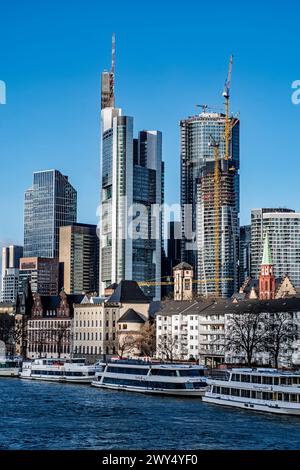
[
  {"x": 154, "y": 365},
  {"x": 261, "y": 370}
]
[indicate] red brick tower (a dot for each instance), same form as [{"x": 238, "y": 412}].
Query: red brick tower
[{"x": 266, "y": 278}]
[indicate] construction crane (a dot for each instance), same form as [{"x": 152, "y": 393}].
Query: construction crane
[
  {"x": 215, "y": 145},
  {"x": 226, "y": 94}
]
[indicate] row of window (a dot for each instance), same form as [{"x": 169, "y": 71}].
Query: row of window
[
  {"x": 266, "y": 380},
  {"x": 236, "y": 392}
]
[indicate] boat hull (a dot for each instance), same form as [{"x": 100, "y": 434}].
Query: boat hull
[
  {"x": 13, "y": 372},
  {"x": 76, "y": 380},
  {"x": 249, "y": 406},
  {"x": 126, "y": 388}
]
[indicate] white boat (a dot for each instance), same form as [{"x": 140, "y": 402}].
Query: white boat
[
  {"x": 9, "y": 367},
  {"x": 59, "y": 370},
  {"x": 153, "y": 378},
  {"x": 267, "y": 390}
]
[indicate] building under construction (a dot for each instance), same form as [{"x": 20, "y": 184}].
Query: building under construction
[{"x": 210, "y": 201}]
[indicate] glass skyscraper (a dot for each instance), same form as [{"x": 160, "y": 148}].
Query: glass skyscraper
[
  {"x": 283, "y": 229},
  {"x": 131, "y": 177},
  {"x": 197, "y": 201},
  {"x": 49, "y": 204}
]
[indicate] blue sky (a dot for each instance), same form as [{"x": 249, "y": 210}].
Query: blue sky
[{"x": 170, "y": 56}]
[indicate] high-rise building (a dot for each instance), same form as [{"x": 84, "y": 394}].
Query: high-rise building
[
  {"x": 10, "y": 285},
  {"x": 244, "y": 254},
  {"x": 10, "y": 265},
  {"x": 198, "y": 202},
  {"x": 174, "y": 243},
  {"x": 132, "y": 177},
  {"x": 148, "y": 185},
  {"x": 283, "y": 229},
  {"x": 50, "y": 204},
  {"x": 42, "y": 273},
  {"x": 79, "y": 258}
]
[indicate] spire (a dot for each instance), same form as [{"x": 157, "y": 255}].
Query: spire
[
  {"x": 113, "y": 53},
  {"x": 108, "y": 81},
  {"x": 267, "y": 257}
]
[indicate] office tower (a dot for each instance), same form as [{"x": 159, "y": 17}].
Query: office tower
[
  {"x": 132, "y": 175},
  {"x": 79, "y": 258},
  {"x": 11, "y": 256},
  {"x": 50, "y": 204},
  {"x": 10, "y": 285},
  {"x": 174, "y": 244},
  {"x": 147, "y": 192},
  {"x": 283, "y": 229},
  {"x": 244, "y": 254},
  {"x": 10, "y": 261},
  {"x": 42, "y": 274},
  {"x": 198, "y": 202}
]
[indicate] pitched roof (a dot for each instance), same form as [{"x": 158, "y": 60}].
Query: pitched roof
[
  {"x": 222, "y": 306},
  {"x": 132, "y": 316},
  {"x": 128, "y": 292},
  {"x": 183, "y": 265},
  {"x": 267, "y": 257}
]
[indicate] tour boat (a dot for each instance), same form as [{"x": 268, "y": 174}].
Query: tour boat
[
  {"x": 59, "y": 370},
  {"x": 9, "y": 367},
  {"x": 146, "y": 377},
  {"x": 268, "y": 390}
]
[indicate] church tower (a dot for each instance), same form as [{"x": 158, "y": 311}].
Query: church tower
[
  {"x": 267, "y": 285},
  {"x": 183, "y": 281}
]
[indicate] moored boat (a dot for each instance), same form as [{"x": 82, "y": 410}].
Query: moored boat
[
  {"x": 146, "y": 377},
  {"x": 267, "y": 390},
  {"x": 59, "y": 370},
  {"x": 9, "y": 367}
]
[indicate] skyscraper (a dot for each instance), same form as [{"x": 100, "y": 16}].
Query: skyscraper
[
  {"x": 244, "y": 254},
  {"x": 49, "y": 204},
  {"x": 148, "y": 183},
  {"x": 198, "y": 201},
  {"x": 79, "y": 258},
  {"x": 42, "y": 274},
  {"x": 131, "y": 176},
  {"x": 174, "y": 244},
  {"x": 10, "y": 272},
  {"x": 283, "y": 229}
]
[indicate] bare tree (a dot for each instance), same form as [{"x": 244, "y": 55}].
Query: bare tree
[
  {"x": 167, "y": 346},
  {"x": 41, "y": 339},
  {"x": 281, "y": 332},
  {"x": 11, "y": 332},
  {"x": 146, "y": 341},
  {"x": 246, "y": 334},
  {"x": 60, "y": 335},
  {"x": 126, "y": 344}
]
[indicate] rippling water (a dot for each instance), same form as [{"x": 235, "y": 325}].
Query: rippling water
[{"x": 41, "y": 415}]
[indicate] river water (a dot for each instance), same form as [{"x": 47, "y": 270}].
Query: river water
[{"x": 42, "y": 415}]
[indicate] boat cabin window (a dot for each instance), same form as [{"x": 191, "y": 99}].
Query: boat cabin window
[
  {"x": 245, "y": 393},
  {"x": 191, "y": 373},
  {"x": 256, "y": 379},
  {"x": 245, "y": 378},
  {"x": 276, "y": 380},
  {"x": 295, "y": 380},
  {"x": 235, "y": 392},
  {"x": 164, "y": 372},
  {"x": 267, "y": 380},
  {"x": 127, "y": 370},
  {"x": 236, "y": 377},
  {"x": 286, "y": 381}
]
